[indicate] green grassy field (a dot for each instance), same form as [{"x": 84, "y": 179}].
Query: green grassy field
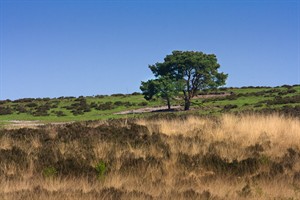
[{"x": 99, "y": 107}]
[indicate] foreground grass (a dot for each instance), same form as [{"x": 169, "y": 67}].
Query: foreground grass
[{"x": 227, "y": 157}]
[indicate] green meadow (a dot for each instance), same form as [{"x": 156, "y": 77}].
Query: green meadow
[{"x": 282, "y": 99}]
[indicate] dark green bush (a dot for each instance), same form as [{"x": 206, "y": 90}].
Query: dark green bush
[
  {"x": 136, "y": 93},
  {"x": 60, "y": 113},
  {"x": 21, "y": 109},
  {"x": 118, "y": 103},
  {"x": 24, "y": 100},
  {"x": 118, "y": 95},
  {"x": 67, "y": 98},
  {"x": 124, "y": 103},
  {"x": 42, "y": 110},
  {"x": 289, "y": 91},
  {"x": 100, "y": 96},
  {"x": 284, "y": 100},
  {"x": 2, "y": 102},
  {"x": 287, "y": 86},
  {"x": 229, "y": 107},
  {"x": 5, "y": 110},
  {"x": 79, "y": 107},
  {"x": 94, "y": 105},
  {"x": 106, "y": 106},
  {"x": 77, "y": 112},
  {"x": 32, "y": 105},
  {"x": 143, "y": 104}
]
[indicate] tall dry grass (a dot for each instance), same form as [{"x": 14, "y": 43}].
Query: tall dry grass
[
  {"x": 279, "y": 131},
  {"x": 230, "y": 157}
]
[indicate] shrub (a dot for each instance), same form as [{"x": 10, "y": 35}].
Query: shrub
[
  {"x": 118, "y": 95},
  {"x": 42, "y": 110},
  {"x": 128, "y": 104},
  {"x": 59, "y": 113},
  {"x": 62, "y": 97},
  {"x": 21, "y": 109},
  {"x": 287, "y": 86},
  {"x": 136, "y": 93},
  {"x": 46, "y": 99},
  {"x": 24, "y": 100},
  {"x": 79, "y": 107},
  {"x": 74, "y": 166},
  {"x": 106, "y": 106},
  {"x": 230, "y": 106},
  {"x": 118, "y": 103},
  {"x": 223, "y": 89},
  {"x": 290, "y": 110},
  {"x": 100, "y": 96},
  {"x": 143, "y": 104},
  {"x": 101, "y": 168},
  {"x": 5, "y": 110},
  {"x": 32, "y": 105},
  {"x": 93, "y": 105},
  {"x": 4, "y": 101},
  {"x": 77, "y": 112},
  {"x": 284, "y": 100},
  {"x": 15, "y": 156},
  {"x": 289, "y": 91},
  {"x": 49, "y": 172}
]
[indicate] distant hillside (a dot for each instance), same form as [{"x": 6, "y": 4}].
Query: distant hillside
[{"x": 284, "y": 99}]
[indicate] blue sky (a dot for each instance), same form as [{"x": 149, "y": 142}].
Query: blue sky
[{"x": 52, "y": 48}]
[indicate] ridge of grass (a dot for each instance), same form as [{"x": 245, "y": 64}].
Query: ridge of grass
[{"x": 58, "y": 109}]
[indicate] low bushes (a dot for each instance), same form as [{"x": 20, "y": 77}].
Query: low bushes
[
  {"x": 284, "y": 100},
  {"x": 79, "y": 107},
  {"x": 5, "y": 110},
  {"x": 176, "y": 158}
]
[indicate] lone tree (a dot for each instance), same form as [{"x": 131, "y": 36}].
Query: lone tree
[
  {"x": 196, "y": 70},
  {"x": 163, "y": 87}
]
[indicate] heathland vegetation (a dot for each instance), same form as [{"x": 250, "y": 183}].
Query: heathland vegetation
[
  {"x": 234, "y": 143},
  {"x": 283, "y": 99},
  {"x": 216, "y": 143},
  {"x": 176, "y": 157}
]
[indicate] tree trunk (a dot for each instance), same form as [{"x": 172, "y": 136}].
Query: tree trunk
[
  {"x": 187, "y": 104},
  {"x": 169, "y": 104}
]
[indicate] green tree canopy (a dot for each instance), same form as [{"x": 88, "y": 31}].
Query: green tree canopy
[
  {"x": 163, "y": 87},
  {"x": 196, "y": 69}
]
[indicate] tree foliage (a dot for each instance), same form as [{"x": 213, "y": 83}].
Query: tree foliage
[
  {"x": 163, "y": 87},
  {"x": 196, "y": 69}
]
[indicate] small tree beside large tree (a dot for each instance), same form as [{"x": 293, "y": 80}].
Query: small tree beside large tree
[
  {"x": 163, "y": 87},
  {"x": 194, "y": 71}
]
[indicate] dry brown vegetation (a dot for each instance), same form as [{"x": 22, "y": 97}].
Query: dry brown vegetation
[{"x": 230, "y": 157}]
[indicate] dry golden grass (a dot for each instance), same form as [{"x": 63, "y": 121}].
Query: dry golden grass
[
  {"x": 280, "y": 131},
  {"x": 231, "y": 157}
]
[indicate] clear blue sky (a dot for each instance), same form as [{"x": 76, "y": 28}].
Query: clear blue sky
[{"x": 52, "y": 48}]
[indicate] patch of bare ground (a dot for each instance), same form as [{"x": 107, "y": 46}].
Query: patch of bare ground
[
  {"x": 34, "y": 124},
  {"x": 208, "y": 96},
  {"x": 174, "y": 108},
  {"x": 150, "y": 109}
]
